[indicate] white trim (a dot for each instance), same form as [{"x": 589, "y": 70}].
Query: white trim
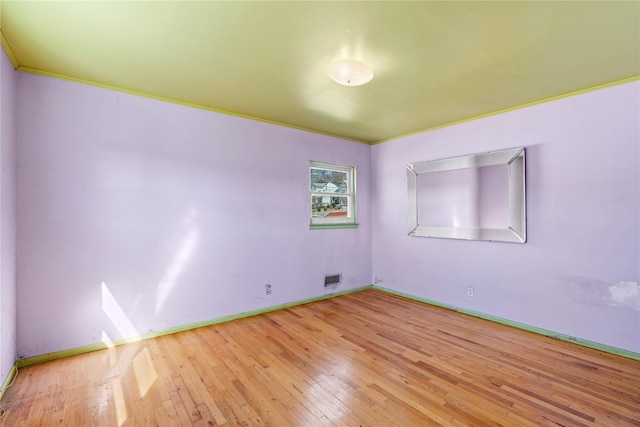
[{"x": 349, "y": 194}]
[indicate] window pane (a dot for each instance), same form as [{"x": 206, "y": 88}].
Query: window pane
[
  {"x": 332, "y": 194},
  {"x": 329, "y": 181},
  {"x": 329, "y": 206}
]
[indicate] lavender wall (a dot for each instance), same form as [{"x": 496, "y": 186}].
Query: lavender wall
[
  {"x": 137, "y": 215},
  {"x": 7, "y": 217},
  {"x": 578, "y": 273}
]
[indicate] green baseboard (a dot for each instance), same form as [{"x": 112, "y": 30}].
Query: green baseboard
[
  {"x": 28, "y": 361},
  {"x": 585, "y": 343},
  {"x": 10, "y": 376},
  {"x": 21, "y": 363}
]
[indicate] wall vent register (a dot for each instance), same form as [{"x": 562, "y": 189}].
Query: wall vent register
[{"x": 332, "y": 280}]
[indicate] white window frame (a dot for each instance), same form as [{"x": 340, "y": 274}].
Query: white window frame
[{"x": 348, "y": 221}]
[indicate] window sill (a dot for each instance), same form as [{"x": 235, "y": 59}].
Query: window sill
[{"x": 332, "y": 226}]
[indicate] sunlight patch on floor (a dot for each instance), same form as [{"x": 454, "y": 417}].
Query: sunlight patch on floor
[
  {"x": 111, "y": 348},
  {"x": 118, "y": 399},
  {"x": 144, "y": 371}
]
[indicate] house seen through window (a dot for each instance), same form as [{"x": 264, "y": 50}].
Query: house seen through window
[{"x": 332, "y": 189}]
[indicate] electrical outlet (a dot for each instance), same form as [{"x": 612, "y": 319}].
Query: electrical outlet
[
  {"x": 267, "y": 289},
  {"x": 469, "y": 291}
]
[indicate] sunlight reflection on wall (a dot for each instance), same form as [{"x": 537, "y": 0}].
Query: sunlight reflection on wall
[
  {"x": 180, "y": 259},
  {"x": 117, "y": 316}
]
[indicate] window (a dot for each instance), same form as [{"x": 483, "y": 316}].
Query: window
[{"x": 332, "y": 191}]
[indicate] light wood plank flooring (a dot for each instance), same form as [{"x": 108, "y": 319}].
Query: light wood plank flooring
[{"x": 365, "y": 359}]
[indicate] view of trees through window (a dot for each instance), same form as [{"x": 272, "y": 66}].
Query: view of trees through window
[{"x": 330, "y": 193}]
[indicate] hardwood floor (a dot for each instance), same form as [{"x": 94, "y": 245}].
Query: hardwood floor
[{"x": 365, "y": 359}]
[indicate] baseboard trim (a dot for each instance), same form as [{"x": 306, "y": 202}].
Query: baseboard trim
[
  {"x": 582, "y": 342},
  {"x": 10, "y": 376},
  {"x": 33, "y": 360},
  {"x": 28, "y": 361}
]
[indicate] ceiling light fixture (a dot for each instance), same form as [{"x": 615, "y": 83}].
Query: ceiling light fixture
[{"x": 350, "y": 73}]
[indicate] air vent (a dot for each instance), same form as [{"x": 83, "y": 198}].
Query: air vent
[{"x": 332, "y": 280}]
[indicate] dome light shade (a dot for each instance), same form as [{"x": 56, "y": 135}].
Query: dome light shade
[{"x": 350, "y": 73}]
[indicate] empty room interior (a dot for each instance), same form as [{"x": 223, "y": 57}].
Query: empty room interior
[{"x": 319, "y": 213}]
